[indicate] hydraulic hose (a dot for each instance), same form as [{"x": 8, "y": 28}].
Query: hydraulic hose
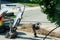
[{"x": 49, "y": 33}]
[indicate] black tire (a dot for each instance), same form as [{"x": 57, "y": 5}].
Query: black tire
[
  {"x": 7, "y": 28},
  {"x": 2, "y": 30}
]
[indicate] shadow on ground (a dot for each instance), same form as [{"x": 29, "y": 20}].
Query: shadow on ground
[
  {"x": 22, "y": 35},
  {"x": 26, "y": 38},
  {"x": 29, "y": 38},
  {"x": 37, "y": 38}
]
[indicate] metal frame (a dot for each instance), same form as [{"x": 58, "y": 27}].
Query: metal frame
[{"x": 0, "y": 4}]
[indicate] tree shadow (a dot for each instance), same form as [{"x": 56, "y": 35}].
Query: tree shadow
[
  {"x": 27, "y": 38},
  {"x": 40, "y": 38},
  {"x": 43, "y": 37},
  {"x": 21, "y": 33}
]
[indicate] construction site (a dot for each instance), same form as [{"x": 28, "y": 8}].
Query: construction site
[{"x": 20, "y": 24}]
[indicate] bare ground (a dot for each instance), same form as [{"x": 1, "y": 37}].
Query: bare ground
[{"x": 42, "y": 31}]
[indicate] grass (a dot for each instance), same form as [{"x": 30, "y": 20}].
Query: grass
[
  {"x": 27, "y": 3},
  {"x": 30, "y": 4}
]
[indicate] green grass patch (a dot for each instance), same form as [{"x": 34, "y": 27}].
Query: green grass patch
[{"x": 30, "y": 4}]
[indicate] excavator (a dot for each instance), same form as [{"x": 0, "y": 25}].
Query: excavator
[{"x": 10, "y": 18}]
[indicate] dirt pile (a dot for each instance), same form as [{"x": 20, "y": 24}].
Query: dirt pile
[{"x": 44, "y": 29}]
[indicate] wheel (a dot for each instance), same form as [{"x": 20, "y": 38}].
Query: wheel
[{"x": 2, "y": 30}]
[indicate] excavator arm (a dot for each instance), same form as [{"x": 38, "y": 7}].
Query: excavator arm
[{"x": 18, "y": 17}]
